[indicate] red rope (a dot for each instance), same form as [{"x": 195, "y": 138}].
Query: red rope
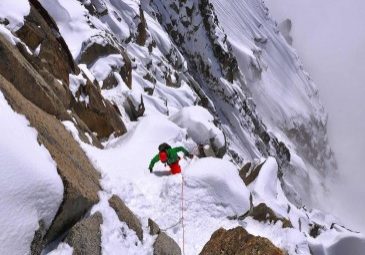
[{"x": 182, "y": 212}]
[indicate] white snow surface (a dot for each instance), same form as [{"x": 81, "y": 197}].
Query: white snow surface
[
  {"x": 343, "y": 243},
  {"x": 104, "y": 66},
  {"x": 72, "y": 22},
  {"x": 8, "y": 35},
  {"x": 14, "y": 12},
  {"x": 199, "y": 124},
  {"x": 212, "y": 188},
  {"x": 30, "y": 188},
  {"x": 62, "y": 249}
]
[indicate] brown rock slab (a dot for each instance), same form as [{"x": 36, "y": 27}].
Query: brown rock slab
[
  {"x": 110, "y": 82},
  {"x": 80, "y": 179},
  {"x": 40, "y": 30},
  {"x": 141, "y": 29},
  {"x": 264, "y": 213},
  {"x": 93, "y": 50},
  {"x": 126, "y": 215},
  {"x": 238, "y": 241},
  {"x": 165, "y": 245},
  {"x": 36, "y": 246},
  {"x": 249, "y": 176},
  {"x": 85, "y": 236},
  {"x": 99, "y": 114},
  {"x": 154, "y": 228},
  {"x": 16, "y": 69}
]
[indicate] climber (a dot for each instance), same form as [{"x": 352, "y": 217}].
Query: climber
[{"x": 169, "y": 156}]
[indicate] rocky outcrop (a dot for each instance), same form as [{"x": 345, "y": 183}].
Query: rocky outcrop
[
  {"x": 41, "y": 74},
  {"x": 85, "y": 236},
  {"x": 134, "y": 111},
  {"x": 40, "y": 33},
  {"x": 80, "y": 179},
  {"x": 164, "y": 245},
  {"x": 37, "y": 243},
  {"x": 97, "y": 47},
  {"x": 126, "y": 70},
  {"x": 239, "y": 242},
  {"x": 17, "y": 70},
  {"x": 126, "y": 215},
  {"x": 226, "y": 59},
  {"x": 263, "y": 213},
  {"x": 98, "y": 114},
  {"x": 248, "y": 173},
  {"x": 110, "y": 81},
  {"x": 154, "y": 228},
  {"x": 141, "y": 29}
]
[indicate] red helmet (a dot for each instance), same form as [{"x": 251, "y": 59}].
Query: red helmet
[{"x": 163, "y": 156}]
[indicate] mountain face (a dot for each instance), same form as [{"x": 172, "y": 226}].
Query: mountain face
[{"x": 103, "y": 82}]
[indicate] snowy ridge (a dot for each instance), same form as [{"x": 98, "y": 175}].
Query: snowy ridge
[{"x": 215, "y": 75}]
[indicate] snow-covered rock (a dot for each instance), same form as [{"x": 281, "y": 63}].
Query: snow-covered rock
[
  {"x": 31, "y": 190},
  {"x": 220, "y": 185},
  {"x": 200, "y": 126}
]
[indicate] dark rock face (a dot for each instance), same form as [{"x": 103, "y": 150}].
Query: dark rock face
[
  {"x": 134, "y": 111},
  {"x": 110, "y": 82},
  {"x": 227, "y": 61},
  {"x": 80, "y": 179},
  {"x": 141, "y": 29},
  {"x": 43, "y": 77},
  {"x": 93, "y": 50},
  {"x": 263, "y": 213},
  {"x": 126, "y": 70},
  {"x": 126, "y": 215},
  {"x": 248, "y": 174},
  {"x": 154, "y": 228},
  {"x": 85, "y": 236},
  {"x": 16, "y": 69},
  {"x": 165, "y": 245},
  {"x": 99, "y": 114},
  {"x": 238, "y": 241},
  {"x": 37, "y": 243},
  {"x": 40, "y": 31}
]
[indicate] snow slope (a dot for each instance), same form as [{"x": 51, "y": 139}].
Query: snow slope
[
  {"x": 284, "y": 94},
  {"x": 213, "y": 189},
  {"x": 213, "y": 192},
  {"x": 31, "y": 190},
  {"x": 229, "y": 58}
]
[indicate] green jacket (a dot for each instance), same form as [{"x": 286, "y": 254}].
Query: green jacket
[{"x": 172, "y": 156}]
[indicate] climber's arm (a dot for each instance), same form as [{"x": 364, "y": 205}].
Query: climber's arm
[
  {"x": 182, "y": 149},
  {"x": 153, "y": 162}
]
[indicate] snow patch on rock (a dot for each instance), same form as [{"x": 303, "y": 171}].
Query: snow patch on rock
[{"x": 30, "y": 188}]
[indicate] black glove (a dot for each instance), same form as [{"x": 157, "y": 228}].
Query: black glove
[
  {"x": 190, "y": 155},
  {"x": 150, "y": 168}
]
